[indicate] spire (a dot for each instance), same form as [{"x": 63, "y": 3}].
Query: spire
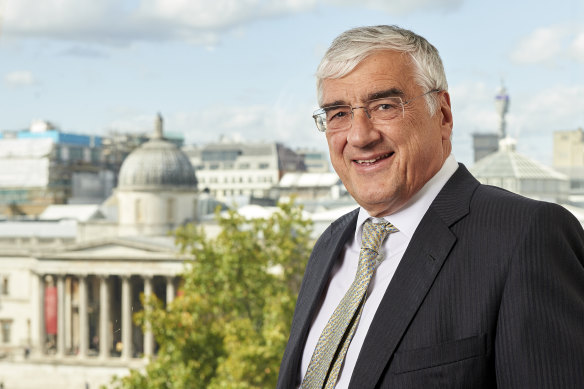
[
  {"x": 158, "y": 127},
  {"x": 502, "y": 106}
]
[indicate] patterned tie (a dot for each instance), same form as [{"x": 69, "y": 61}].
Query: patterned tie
[{"x": 342, "y": 324}]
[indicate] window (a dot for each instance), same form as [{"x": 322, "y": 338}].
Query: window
[
  {"x": 264, "y": 165},
  {"x": 6, "y": 327},
  {"x": 244, "y": 165},
  {"x": 220, "y": 155},
  {"x": 138, "y": 211},
  {"x": 4, "y": 286},
  {"x": 170, "y": 204}
]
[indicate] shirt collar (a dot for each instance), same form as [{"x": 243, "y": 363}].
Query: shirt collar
[{"x": 406, "y": 220}]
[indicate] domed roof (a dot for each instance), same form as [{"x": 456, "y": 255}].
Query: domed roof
[
  {"x": 507, "y": 163},
  {"x": 157, "y": 164}
]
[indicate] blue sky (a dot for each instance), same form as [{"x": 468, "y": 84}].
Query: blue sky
[{"x": 244, "y": 69}]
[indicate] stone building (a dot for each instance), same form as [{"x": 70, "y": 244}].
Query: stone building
[
  {"x": 69, "y": 286},
  {"x": 228, "y": 170}
]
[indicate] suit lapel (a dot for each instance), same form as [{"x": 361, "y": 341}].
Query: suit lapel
[
  {"x": 315, "y": 280},
  {"x": 422, "y": 261}
]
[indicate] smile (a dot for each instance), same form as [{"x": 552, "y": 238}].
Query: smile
[{"x": 370, "y": 161}]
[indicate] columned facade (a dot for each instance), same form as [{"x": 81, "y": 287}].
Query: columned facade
[
  {"x": 104, "y": 318},
  {"x": 90, "y": 316}
]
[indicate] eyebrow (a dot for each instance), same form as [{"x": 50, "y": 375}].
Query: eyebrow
[{"x": 392, "y": 92}]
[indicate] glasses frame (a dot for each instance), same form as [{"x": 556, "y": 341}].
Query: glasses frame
[{"x": 319, "y": 115}]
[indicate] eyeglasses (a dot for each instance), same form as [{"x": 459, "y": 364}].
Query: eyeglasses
[{"x": 340, "y": 117}]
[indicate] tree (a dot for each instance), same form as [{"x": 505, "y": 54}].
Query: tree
[{"x": 229, "y": 327}]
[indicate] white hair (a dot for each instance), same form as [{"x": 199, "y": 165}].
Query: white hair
[{"x": 353, "y": 46}]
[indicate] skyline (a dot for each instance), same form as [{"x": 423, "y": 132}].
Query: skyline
[{"x": 245, "y": 69}]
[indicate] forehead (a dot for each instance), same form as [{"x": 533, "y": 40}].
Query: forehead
[{"x": 380, "y": 71}]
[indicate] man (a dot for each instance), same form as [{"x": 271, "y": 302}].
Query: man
[{"x": 473, "y": 287}]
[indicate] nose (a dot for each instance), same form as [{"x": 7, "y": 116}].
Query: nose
[
  {"x": 364, "y": 110},
  {"x": 362, "y": 132}
]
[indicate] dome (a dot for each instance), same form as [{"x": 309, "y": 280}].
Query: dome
[
  {"x": 157, "y": 164},
  {"x": 507, "y": 163}
]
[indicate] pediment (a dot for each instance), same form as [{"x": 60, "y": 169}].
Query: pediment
[
  {"x": 112, "y": 249},
  {"x": 117, "y": 248}
]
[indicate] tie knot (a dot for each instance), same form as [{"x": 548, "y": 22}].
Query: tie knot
[{"x": 375, "y": 232}]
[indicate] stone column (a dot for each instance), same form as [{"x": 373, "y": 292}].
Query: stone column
[
  {"x": 41, "y": 312},
  {"x": 170, "y": 292},
  {"x": 60, "y": 315},
  {"x": 83, "y": 318},
  {"x": 148, "y": 337},
  {"x": 126, "y": 318},
  {"x": 104, "y": 335},
  {"x": 68, "y": 314}
]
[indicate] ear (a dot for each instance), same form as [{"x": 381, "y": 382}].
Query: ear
[{"x": 445, "y": 115}]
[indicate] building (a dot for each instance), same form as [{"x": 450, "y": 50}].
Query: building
[
  {"x": 568, "y": 158},
  {"x": 117, "y": 146},
  {"x": 517, "y": 173},
  {"x": 311, "y": 186},
  {"x": 231, "y": 170},
  {"x": 71, "y": 280},
  {"x": 43, "y": 166},
  {"x": 484, "y": 144},
  {"x": 315, "y": 161}
]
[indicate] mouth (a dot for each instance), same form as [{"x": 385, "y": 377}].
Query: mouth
[{"x": 366, "y": 162}]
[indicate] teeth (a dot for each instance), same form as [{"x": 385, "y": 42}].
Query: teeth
[{"x": 372, "y": 160}]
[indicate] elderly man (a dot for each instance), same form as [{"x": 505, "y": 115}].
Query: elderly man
[{"x": 436, "y": 281}]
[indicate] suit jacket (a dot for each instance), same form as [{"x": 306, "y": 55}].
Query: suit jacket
[{"x": 489, "y": 294}]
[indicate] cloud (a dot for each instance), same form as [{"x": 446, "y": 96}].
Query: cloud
[
  {"x": 401, "y": 7},
  {"x": 57, "y": 18},
  {"x": 557, "y": 108},
  {"x": 84, "y": 52},
  {"x": 111, "y": 22},
  {"x": 577, "y": 48},
  {"x": 20, "y": 78},
  {"x": 548, "y": 45},
  {"x": 291, "y": 125}
]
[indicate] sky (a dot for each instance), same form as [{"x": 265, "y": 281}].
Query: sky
[{"x": 244, "y": 69}]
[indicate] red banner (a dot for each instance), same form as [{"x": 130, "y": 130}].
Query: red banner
[{"x": 51, "y": 310}]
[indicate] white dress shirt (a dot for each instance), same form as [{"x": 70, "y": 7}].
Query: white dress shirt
[{"x": 344, "y": 271}]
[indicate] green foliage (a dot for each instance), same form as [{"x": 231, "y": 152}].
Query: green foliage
[{"x": 229, "y": 327}]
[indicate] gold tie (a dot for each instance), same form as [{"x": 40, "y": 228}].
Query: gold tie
[{"x": 329, "y": 354}]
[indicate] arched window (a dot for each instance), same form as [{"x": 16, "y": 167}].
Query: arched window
[
  {"x": 138, "y": 211},
  {"x": 170, "y": 205}
]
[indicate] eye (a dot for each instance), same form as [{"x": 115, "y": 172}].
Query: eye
[
  {"x": 337, "y": 113},
  {"x": 384, "y": 106}
]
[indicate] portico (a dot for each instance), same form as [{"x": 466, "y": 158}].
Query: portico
[{"x": 87, "y": 298}]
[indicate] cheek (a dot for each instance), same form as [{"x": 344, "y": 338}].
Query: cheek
[{"x": 336, "y": 145}]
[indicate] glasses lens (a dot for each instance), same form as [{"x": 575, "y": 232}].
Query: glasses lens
[
  {"x": 385, "y": 109},
  {"x": 338, "y": 117},
  {"x": 319, "y": 119}
]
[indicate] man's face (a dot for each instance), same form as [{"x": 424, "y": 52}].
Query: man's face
[{"x": 383, "y": 166}]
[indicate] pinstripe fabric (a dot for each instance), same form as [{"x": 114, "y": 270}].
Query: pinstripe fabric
[{"x": 342, "y": 323}]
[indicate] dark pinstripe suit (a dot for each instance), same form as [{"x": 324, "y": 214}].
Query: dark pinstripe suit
[{"x": 489, "y": 294}]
